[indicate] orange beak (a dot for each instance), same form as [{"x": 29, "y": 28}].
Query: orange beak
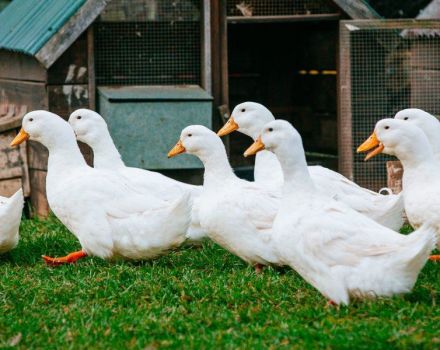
[
  {"x": 177, "y": 149},
  {"x": 20, "y": 138},
  {"x": 229, "y": 127},
  {"x": 256, "y": 147},
  {"x": 369, "y": 144}
]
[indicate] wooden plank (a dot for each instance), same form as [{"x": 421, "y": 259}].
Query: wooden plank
[
  {"x": 394, "y": 176},
  {"x": 10, "y": 123},
  {"x": 283, "y": 19},
  {"x": 396, "y": 24},
  {"x": 72, "y": 66},
  {"x": 345, "y": 139},
  {"x": 10, "y": 160},
  {"x": 70, "y": 31},
  {"x": 37, "y": 156},
  {"x": 215, "y": 56},
  {"x": 39, "y": 204},
  {"x": 91, "y": 67},
  {"x": 357, "y": 9},
  {"x": 25, "y": 180},
  {"x": 64, "y": 99},
  {"x": 13, "y": 165},
  {"x": 224, "y": 54},
  {"x": 9, "y": 186},
  {"x": 17, "y": 66},
  {"x": 21, "y": 93}
]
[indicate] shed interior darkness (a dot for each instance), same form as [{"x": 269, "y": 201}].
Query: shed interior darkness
[{"x": 291, "y": 69}]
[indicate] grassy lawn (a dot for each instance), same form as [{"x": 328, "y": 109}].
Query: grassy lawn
[{"x": 192, "y": 298}]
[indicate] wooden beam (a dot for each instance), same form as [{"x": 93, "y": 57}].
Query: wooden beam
[
  {"x": 345, "y": 139},
  {"x": 357, "y": 9},
  {"x": 206, "y": 47},
  {"x": 70, "y": 31},
  {"x": 91, "y": 67},
  {"x": 224, "y": 54},
  {"x": 283, "y": 19}
]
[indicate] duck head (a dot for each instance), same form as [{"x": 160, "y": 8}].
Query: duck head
[
  {"x": 248, "y": 118},
  {"x": 197, "y": 140},
  {"x": 44, "y": 127},
  {"x": 89, "y": 126},
  {"x": 279, "y": 137},
  {"x": 429, "y": 124},
  {"x": 397, "y": 138}
]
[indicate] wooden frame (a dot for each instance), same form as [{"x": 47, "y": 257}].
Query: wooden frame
[
  {"x": 345, "y": 137},
  {"x": 69, "y": 32},
  {"x": 283, "y": 19},
  {"x": 206, "y": 47}
]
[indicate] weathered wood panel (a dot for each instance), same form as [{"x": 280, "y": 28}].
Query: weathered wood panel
[
  {"x": 344, "y": 118},
  {"x": 13, "y": 165},
  {"x": 71, "y": 67},
  {"x": 9, "y": 186},
  {"x": 70, "y": 31},
  {"x": 14, "y": 65},
  {"x": 394, "y": 176},
  {"x": 64, "y": 99},
  {"x": 39, "y": 204},
  {"x": 91, "y": 67},
  {"x": 30, "y": 94},
  {"x": 37, "y": 156}
]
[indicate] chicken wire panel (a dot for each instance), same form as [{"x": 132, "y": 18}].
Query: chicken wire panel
[
  {"x": 391, "y": 68},
  {"x": 278, "y": 7},
  {"x": 149, "y": 42}
]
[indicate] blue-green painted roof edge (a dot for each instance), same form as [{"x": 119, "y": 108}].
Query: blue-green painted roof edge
[{"x": 27, "y": 25}]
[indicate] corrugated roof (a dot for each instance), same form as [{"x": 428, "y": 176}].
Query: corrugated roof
[{"x": 26, "y": 25}]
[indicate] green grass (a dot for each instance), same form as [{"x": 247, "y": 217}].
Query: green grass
[{"x": 192, "y": 298}]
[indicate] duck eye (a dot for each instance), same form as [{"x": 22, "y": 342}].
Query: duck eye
[
  {"x": 270, "y": 129},
  {"x": 189, "y": 135},
  {"x": 243, "y": 110},
  {"x": 31, "y": 119},
  {"x": 78, "y": 117},
  {"x": 387, "y": 127},
  {"x": 406, "y": 118}
]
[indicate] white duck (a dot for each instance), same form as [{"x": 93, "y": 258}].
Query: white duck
[
  {"x": 429, "y": 124},
  {"x": 237, "y": 214},
  {"x": 420, "y": 182},
  {"x": 340, "y": 252},
  {"x": 10, "y": 216},
  {"x": 250, "y": 117},
  {"x": 92, "y": 129},
  {"x": 109, "y": 215}
]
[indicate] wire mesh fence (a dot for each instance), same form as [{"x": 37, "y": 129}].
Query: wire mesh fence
[
  {"x": 149, "y": 42},
  {"x": 249, "y": 8},
  {"x": 385, "y": 66}
]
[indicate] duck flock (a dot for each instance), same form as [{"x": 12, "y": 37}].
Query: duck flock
[{"x": 341, "y": 238}]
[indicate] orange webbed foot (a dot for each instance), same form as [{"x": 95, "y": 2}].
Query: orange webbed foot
[
  {"x": 68, "y": 259},
  {"x": 434, "y": 258},
  {"x": 259, "y": 268}
]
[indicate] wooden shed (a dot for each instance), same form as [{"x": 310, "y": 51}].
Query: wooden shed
[
  {"x": 191, "y": 61},
  {"x": 44, "y": 64}
]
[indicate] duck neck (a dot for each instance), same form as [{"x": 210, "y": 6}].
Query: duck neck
[
  {"x": 419, "y": 155},
  {"x": 106, "y": 155},
  {"x": 64, "y": 155},
  {"x": 217, "y": 168},
  {"x": 296, "y": 174}
]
